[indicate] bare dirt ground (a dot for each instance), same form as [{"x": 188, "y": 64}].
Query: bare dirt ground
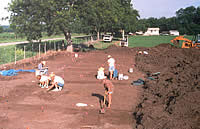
[
  {"x": 169, "y": 101},
  {"x": 172, "y": 100},
  {"x": 24, "y": 105}
]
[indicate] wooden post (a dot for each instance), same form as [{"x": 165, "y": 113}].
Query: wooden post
[
  {"x": 54, "y": 46},
  {"x": 24, "y": 52},
  {"x": 58, "y": 46},
  {"x": 32, "y": 50},
  {"x": 15, "y": 56},
  {"x": 39, "y": 49},
  {"x": 45, "y": 48}
]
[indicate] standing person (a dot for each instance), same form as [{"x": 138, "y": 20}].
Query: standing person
[
  {"x": 111, "y": 64},
  {"x": 109, "y": 88},
  {"x": 56, "y": 81}
]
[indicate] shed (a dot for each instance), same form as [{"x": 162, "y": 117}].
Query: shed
[
  {"x": 174, "y": 32},
  {"x": 152, "y": 31}
]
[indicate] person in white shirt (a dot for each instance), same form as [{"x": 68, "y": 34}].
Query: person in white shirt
[
  {"x": 56, "y": 82},
  {"x": 100, "y": 73},
  {"x": 111, "y": 64},
  {"x": 43, "y": 80}
]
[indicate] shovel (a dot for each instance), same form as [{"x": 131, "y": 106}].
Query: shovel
[{"x": 102, "y": 110}]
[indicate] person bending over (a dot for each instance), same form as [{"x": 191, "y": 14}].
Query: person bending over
[
  {"x": 56, "y": 82},
  {"x": 43, "y": 80},
  {"x": 109, "y": 88}
]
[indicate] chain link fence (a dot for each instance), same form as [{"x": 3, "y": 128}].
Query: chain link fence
[{"x": 14, "y": 53}]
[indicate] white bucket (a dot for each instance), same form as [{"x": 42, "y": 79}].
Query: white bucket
[
  {"x": 125, "y": 77},
  {"x": 76, "y": 55},
  {"x": 130, "y": 70},
  {"x": 120, "y": 76}
]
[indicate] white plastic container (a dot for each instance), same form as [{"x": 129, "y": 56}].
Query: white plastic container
[
  {"x": 120, "y": 76},
  {"x": 130, "y": 70},
  {"x": 125, "y": 77},
  {"x": 76, "y": 55}
]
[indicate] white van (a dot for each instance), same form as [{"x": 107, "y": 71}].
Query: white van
[{"x": 107, "y": 38}]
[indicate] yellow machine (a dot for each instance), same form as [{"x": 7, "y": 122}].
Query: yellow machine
[{"x": 195, "y": 43}]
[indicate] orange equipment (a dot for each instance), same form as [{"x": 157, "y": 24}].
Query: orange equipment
[
  {"x": 186, "y": 42},
  {"x": 196, "y": 41}
]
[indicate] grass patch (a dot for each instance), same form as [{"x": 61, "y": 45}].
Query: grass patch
[
  {"x": 150, "y": 41},
  {"x": 102, "y": 45},
  {"x": 10, "y": 37}
]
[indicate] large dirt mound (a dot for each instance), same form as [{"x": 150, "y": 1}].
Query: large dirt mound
[{"x": 171, "y": 100}]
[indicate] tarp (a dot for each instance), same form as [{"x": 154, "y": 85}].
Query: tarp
[
  {"x": 138, "y": 82},
  {"x": 13, "y": 72}
]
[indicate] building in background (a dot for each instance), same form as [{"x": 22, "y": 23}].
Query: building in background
[
  {"x": 174, "y": 32},
  {"x": 152, "y": 31}
]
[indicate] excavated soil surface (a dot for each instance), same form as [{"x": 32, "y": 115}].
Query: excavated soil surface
[
  {"x": 171, "y": 99},
  {"x": 24, "y": 105}
]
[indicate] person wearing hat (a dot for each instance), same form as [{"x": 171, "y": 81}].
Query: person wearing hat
[
  {"x": 111, "y": 64},
  {"x": 56, "y": 81},
  {"x": 42, "y": 67}
]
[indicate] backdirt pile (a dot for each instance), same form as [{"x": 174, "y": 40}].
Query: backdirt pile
[{"x": 170, "y": 100}]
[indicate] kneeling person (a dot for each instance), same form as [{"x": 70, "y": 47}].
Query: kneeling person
[
  {"x": 44, "y": 81},
  {"x": 57, "y": 82}
]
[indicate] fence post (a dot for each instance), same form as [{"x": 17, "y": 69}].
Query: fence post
[
  {"x": 45, "y": 48},
  {"x": 32, "y": 50},
  {"x": 15, "y": 56},
  {"x": 58, "y": 46},
  {"x": 39, "y": 49},
  {"x": 4, "y": 55},
  {"x": 24, "y": 52},
  {"x": 54, "y": 46},
  {"x": 63, "y": 44}
]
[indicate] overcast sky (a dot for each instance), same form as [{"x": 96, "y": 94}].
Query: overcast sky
[{"x": 146, "y": 8}]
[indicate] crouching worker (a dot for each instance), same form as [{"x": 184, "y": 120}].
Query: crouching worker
[
  {"x": 56, "y": 82},
  {"x": 100, "y": 73},
  {"x": 43, "y": 68},
  {"x": 109, "y": 87},
  {"x": 43, "y": 80}
]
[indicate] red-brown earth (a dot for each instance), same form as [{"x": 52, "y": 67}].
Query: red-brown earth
[
  {"x": 171, "y": 101},
  {"x": 23, "y": 104}
]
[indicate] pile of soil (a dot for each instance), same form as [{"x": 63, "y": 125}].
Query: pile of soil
[{"x": 171, "y": 99}]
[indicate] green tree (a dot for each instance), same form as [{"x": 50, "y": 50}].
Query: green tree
[
  {"x": 108, "y": 15},
  {"x": 32, "y": 17},
  {"x": 128, "y": 17},
  {"x": 1, "y": 29},
  {"x": 98, "y": 15},
  {"x": 188, "y": 19}
]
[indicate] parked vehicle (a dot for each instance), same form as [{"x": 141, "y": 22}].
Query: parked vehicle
[
  {"x": 124, "y": 43},
  {"x": 107, "y": 38},
  {"x": 195, "y": 43}
]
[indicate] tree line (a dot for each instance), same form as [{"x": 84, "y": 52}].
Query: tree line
[
  {"x": 33, "y": 17},
  {"x": 186, "y": 21}
]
